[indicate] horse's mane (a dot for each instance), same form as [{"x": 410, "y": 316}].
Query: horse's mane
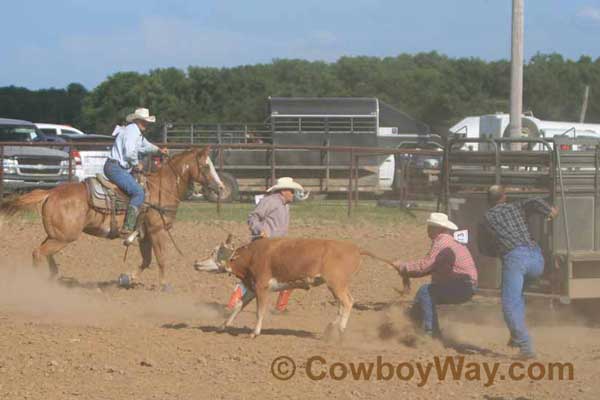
[
  {"x": 183, "y": 155},
  {"x": 174, "y": 159}
]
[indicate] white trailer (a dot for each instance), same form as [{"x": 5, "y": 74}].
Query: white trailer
[
  {"x": 467, "y": 128},
  {"x": 495, "y": 126}
]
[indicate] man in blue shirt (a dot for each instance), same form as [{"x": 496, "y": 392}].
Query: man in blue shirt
[{"x": 124, "y": 157}]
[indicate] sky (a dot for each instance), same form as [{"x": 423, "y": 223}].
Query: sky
[{"x": 47, "y": 44}]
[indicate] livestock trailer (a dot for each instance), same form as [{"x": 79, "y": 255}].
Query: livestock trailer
[
  {"x": 567, "y": 178},
  {"x": 318, "y": 122}
]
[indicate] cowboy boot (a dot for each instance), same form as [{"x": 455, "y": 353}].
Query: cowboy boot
[
  {"x": 130, "y": 221},
  {"x": 282, "y": 301}
]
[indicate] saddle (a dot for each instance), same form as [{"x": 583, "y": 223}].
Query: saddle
[{"x": 105, "y": 196}]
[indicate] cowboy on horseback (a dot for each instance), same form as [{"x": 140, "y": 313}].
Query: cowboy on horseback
[{"x": 123, "y": 159}]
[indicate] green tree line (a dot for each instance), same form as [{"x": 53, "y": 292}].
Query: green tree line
[{"x": 431, "y": 87}]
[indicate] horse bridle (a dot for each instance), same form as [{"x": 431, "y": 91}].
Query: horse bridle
[{"x": 202, "y": 168}]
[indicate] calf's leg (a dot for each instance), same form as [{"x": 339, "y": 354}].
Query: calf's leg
[
  {"x": 345, "y": 302},
  {"x": 262, "y": 303},
  {"x": 239, "y": 306},
  {"x": 337, "y": 319}
]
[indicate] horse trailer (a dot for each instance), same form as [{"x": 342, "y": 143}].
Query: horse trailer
[{"x": 321, "y": 123}]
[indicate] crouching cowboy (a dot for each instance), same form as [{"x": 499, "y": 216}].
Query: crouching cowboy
[
  {"x": 452, "y": 270},
  {"x": 270, "y": 219},
  {"x": 123, "y": 159}
]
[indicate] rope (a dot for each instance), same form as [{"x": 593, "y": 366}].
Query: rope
[
  {"x": 161, "y": 209},
  {"x": 162, "y": 216},
  {"x": 161, "y": 190}
]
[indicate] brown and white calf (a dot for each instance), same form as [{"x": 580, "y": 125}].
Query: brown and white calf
[{"x": 271, "y": 265}]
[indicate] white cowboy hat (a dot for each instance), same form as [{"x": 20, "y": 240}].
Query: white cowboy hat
[
  {"x": 441, "y": 219},
  {"x": 285, "y": 183},
  {"x": 141, "y": 114}
]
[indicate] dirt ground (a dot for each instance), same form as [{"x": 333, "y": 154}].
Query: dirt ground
[{"x": 85, "y": 338}]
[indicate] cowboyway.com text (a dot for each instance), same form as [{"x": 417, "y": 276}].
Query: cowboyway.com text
[{"x": 448, "y": 368}]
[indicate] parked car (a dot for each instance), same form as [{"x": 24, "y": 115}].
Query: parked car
[
  {"x": 424, "y": 161},
  {"x": 89, "y": 161},
  {"x": 419, "y": 173},
  {"x": 25, "y": 167},
  {"x": 58, "y": 130}
]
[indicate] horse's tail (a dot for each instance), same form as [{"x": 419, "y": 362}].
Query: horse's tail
[{"x": 25, "y": 202}]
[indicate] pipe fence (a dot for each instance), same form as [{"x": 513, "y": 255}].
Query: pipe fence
[{"x": 339, "y": 178}]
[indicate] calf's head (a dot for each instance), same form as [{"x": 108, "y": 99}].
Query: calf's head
[{"x": 239, "y": 262}]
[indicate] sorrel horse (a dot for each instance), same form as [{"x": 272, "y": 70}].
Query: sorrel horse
[{"x": 66, "y": 212}]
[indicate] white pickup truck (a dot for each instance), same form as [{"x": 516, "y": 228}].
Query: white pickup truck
[{"x": 88, "y": 161}]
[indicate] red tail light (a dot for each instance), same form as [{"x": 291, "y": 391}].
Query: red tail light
[
  {"x": 76, "y": 157},
  {"x": 565, "y": 147}
]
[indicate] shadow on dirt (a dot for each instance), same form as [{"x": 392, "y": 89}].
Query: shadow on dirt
[
  {"x": 378, "y": 305},
  {"x": 466, "y": 348},
  {"x": 70, "y": 282},
  {"x": 181, "y": 325},
  {"x": 372, "y": 306},
  {"x": 233, "y": 331}
]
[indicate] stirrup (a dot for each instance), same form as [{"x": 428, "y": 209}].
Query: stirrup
[{"x": 130, "y": 238}]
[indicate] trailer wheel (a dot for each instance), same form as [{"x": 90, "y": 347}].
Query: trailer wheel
[
  {"x": 229, "y": 194},
  {"x": 194, "y": 192}
]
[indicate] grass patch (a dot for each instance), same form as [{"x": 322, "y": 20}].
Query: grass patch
[
  {"x": 27, "y": 216},
  {"x": 313, "y": 212},
  {"x": 310, "y": 212}
]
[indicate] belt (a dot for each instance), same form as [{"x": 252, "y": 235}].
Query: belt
[{"x": 113, "y": 161}]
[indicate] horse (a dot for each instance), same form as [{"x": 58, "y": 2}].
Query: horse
[{"x": 66, "y": 212}]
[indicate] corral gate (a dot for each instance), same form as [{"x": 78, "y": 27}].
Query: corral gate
[{"x": 568, "y": 178}]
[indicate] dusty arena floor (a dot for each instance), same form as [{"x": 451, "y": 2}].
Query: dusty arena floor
[{"x": 86, "y": 338}]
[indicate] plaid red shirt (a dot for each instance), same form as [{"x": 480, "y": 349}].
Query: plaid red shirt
[{"x": 446, "y": 260}]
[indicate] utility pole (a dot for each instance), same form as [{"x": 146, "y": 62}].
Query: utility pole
[
  {"x": 516, "y": 72},
  {"x": 584, "y": 106}
]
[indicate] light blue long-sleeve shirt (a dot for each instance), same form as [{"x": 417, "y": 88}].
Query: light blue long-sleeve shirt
[{"x": 128, "y": 144}]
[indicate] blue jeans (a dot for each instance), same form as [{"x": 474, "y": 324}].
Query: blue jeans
[
  {"x": 125, "y": 181},
  {"x": 521, "y": 264},
  {"x": 428, "y": 296}
]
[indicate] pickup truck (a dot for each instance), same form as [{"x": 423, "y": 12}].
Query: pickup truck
[
  {"x": 58, "y": 130},
  {"x": 25, "y": 167},
  {"x": 88, "y": 161}
]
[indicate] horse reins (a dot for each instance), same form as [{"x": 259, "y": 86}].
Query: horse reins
[{"x": 163, "y": 210}]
